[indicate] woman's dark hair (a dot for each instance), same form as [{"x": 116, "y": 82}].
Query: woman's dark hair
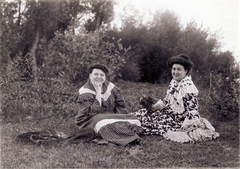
[
  {"x": 98, "y": 66},
  {"x": 181, "y": 59}
]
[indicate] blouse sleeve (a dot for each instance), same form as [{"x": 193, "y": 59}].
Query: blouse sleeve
[
  {"x": 88, "y": 106},
  {"x": 191, "y": 102},
  {"x": 119, "y": 101}
]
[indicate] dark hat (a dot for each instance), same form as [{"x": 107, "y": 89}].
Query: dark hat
[
  {"x": 98, "y": 66},
  {"x": 181, "y": 59}
]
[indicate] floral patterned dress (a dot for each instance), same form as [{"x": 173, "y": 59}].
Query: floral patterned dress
[{"x": 178, "y": 119}]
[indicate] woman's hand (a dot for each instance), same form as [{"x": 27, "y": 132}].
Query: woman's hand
[
  {"x": 98, "y": 88},
  {"x": 155, "y": 106},
  {"x": 159, "y": 105}
]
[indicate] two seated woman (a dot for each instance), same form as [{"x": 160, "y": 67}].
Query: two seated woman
[{"x": 176, "y": 117}]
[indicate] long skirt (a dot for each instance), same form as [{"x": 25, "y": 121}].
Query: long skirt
[
  {"x": 120, "y": 129},
  {"x": 172, "y": 128}
]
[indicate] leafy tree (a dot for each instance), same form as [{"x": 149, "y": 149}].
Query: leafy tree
[
  {"x": 45, "y": 17},
  {"x": 103, "y": 14},
  {"x": 24, "y": 30},
  {"x": 130, "y": 71},
  {"x": 131, "y": 35},
  {"x": 201, "y": 46},
  {"x": 158, "y": 45},
  {"x": 10, "y": 20}
]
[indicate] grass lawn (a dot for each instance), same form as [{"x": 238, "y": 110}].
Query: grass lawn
[{"x": 153, "y": 152}]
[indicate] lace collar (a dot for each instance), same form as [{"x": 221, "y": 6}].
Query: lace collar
[{"x": 176, "y": 86}]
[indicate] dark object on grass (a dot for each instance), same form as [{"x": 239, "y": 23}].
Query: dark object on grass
[
  {"x": 51, "y": 136},
  {"x": 147, "y": 103}
]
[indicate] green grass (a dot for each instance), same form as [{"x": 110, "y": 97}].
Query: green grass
[{"x": 154, "y": 151}]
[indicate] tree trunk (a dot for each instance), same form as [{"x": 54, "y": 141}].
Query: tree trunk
[
  {"x": 34, "y": 67},
  {"x": 210, "y": 80},
  {"x": 73, "y": 27},
  {"x": 210, "y": 85},
  {"x": 33, "y": 52},
  {"x": 19, "y": 12},
  {"x": 34, "y": 49}
]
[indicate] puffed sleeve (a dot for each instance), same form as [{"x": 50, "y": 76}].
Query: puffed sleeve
[{"x": 88, "y": 107}]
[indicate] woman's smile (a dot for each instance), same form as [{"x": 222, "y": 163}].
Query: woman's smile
[
  {"x": 98, "y": 76},
  {"x": 178, "y": 72}
]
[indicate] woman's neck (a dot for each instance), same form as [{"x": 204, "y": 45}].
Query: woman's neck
[{"x": 178, "y": 81}]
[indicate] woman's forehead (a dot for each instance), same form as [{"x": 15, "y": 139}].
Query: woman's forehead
[
  {"x": 177, "y": 65},
  {"x": 98, "y": 71}
]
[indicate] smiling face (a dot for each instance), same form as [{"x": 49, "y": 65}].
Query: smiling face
[
  {"x": 97, "y": 76},
  {"x": 178, "y": 72}
]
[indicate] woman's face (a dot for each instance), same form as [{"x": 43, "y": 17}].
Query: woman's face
[
  {"x": 97, "y": 76},
  {"x": 178, "y": 72}
]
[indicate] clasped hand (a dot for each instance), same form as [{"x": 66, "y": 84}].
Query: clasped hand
[
  {"x": 98, "y": 88},
  {"x": 159, "y": 105}
]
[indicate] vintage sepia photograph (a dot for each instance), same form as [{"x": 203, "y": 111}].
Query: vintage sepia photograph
[{"x": 119, "y": 84}]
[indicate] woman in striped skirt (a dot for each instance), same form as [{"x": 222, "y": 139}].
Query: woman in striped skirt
[{"x": 102, "y": 110}]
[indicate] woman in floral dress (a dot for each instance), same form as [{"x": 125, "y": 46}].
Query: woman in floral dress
[{"x": 176, "y": 117}]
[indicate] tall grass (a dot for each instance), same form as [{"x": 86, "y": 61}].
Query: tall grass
[{"x": 50, "y": 105}]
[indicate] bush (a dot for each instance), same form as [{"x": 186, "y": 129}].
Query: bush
[
  {"x": 69, "y": 56},
  {"x": 51, "y": 98},
  {"x": 22, "y": 99},
  {"x": 224, "y": 97},
  {"x": 130, "y": 71}
]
